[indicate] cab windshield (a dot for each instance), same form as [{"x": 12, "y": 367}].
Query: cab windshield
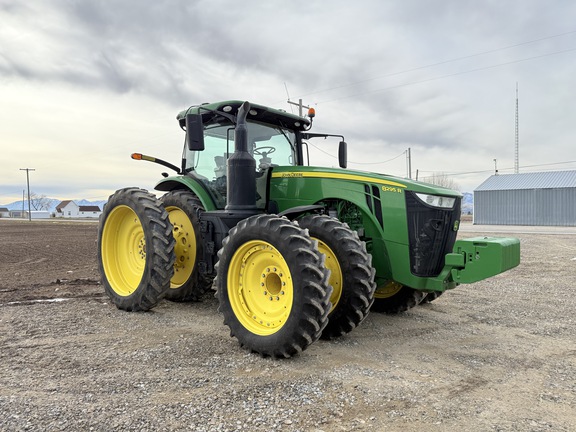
[{"x": 269, "y": 145}]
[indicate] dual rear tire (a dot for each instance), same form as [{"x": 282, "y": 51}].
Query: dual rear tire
[
  {"x": 135, "y": 250},
  {"x": 148, "y": 248},
  {"x": 184, "y": 209}
]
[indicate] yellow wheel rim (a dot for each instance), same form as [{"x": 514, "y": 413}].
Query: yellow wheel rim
[
  {"x": 260, "y": 287},
  {"x": 185, "y": 249},
  {"x": 388, "y": 290},
  {"x": 336, "y": 278},
  {"x": 123, "y": 250}
]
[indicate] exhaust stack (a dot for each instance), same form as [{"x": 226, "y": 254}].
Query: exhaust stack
[{"x": 241, "y": 176}]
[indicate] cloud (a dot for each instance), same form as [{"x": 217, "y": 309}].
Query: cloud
[{"x": 110, "y": 77}]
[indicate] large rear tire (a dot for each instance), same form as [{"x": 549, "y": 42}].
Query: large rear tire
[
  {"x": 187, "y": 284},
  {"x": 135, "y": 249},
  {"x": 351, "y": 273},
  {"x": 272, "y": 286},
  {"x": 394, "y": 298}
]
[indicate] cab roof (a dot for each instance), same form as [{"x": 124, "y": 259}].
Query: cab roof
[{"x": 257, "y": 112}]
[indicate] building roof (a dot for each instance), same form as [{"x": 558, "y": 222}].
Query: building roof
[
  {"x": 63, "y": 204},
  {"x": 4, "y": 209},
  {"x": 91, "y": 208},
  {"x": 536, "y": 180}
]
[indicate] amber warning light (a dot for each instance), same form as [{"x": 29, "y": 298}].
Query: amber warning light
[
  {"x": 140, "y": 156},
  {"x": 311, "y": 112}
]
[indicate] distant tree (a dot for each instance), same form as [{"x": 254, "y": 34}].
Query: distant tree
[
  {"x": 442, "y": 179},
  {"x": 39, "y": 202}
]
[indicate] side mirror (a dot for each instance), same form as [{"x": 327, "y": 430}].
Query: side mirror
[
  {"x": 342, "y": 154},
  {"x": 194, "y": 132}
]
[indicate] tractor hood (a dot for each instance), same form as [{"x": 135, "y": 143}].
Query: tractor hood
[{"x": 388, "y": 182}]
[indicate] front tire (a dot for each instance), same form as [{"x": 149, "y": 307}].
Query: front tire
[
  {"x": 431, "y": 296},
  {"x": 272, "y": 286},
  {"x": 351, "y": 273},
  {"x": 135, "y": 249},
  {"x": 187, "y": 284}
]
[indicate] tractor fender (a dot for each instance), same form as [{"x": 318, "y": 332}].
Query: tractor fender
[{"x": 187, "y": 183}]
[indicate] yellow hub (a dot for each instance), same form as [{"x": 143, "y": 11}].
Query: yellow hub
[
  {"x": 387, "y": 290},
  {"x": 260, "y": 287},
  {"x": 336, "y": 277},
  {"x": 123, "y": 250},
  {"x": 185, "y": 249}
]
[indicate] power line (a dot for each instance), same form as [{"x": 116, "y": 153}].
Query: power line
[
  {"x": 500, "y": 169},
  {"x": 437, "y": 63},
  {"x": 447, "y": 76},
  {"x": 358, "y": 163},
  {"x": 378, "y": 163}
]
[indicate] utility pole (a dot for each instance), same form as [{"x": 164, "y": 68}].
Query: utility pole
[
  {"x": 28, "y": 183},
  {"x": 495, "y": 168},
  {"x": 300, "y": 106},
  {"x": 409, "y": 162},
  {"x": 517, "y": 139}
]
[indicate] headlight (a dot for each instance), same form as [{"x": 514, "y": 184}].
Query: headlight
[{"x": 436, "y": 200}]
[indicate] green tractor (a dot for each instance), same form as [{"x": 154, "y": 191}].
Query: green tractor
[{"x": 294, "y": 252}]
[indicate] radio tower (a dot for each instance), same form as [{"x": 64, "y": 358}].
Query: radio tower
[{"x": 516, "y": 150}]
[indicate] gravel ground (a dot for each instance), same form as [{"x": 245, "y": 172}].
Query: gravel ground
[{"x": 499, "y": 355}]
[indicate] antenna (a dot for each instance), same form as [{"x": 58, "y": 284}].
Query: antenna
[
  {"x": 288, "y": 95},
  {"x": 517, "y": 138}
]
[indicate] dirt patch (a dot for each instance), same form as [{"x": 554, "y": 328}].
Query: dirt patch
[
  {"x": 47, "y": 260},
  {"x": 497, "y": 355}
]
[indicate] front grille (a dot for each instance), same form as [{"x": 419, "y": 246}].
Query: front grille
[{"x": 431, "y": 235}]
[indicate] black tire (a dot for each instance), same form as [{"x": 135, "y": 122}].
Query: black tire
[
  {"x": 184, "y": 209},
  {"x": 135, "y": 249},
  {"x": 351, "y": 273},
  {"x": 272, "y": 286},
  {"x": 394, "y": 298},
  {"x": 431, "y": 296}
]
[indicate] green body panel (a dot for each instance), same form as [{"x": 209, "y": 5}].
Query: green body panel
[
  {"x": 297, "y": 186},
  {"x": 184, "y": 182}
]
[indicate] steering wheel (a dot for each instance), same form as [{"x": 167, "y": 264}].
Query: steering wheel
[{"x": 264, "y": 151}]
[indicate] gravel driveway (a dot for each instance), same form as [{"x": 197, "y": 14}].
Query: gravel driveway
[{"x": 499, "y": 355}]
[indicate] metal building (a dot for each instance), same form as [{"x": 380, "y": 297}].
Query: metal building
[{"x": 541, "y": 198}]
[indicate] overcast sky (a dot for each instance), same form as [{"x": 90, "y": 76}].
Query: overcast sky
[{"x": 86, "y": 83}]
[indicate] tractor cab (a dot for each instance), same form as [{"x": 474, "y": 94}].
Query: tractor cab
[
  {"x": 269, "y": 145},
  {"x": 274, "y": 138}
]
